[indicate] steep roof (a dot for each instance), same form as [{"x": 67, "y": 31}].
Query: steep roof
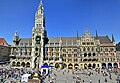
[
  {"x": 54, "y": 40},
  {"x": 26, "y": 40},
  {"x": 3, "y": 42},
  {"x": 104, "y": 39}
]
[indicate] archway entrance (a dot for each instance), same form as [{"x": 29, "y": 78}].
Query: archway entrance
[
  {"x": 23, "y": 64},
  {"x": 70, "y": 66},
  {"x": 13, "y": 63},
  {"x": 94, "y": 65},
  {"x": 57, "y": 65},
  {"x": 64, "y": 65},
  {"x": 27, "y": 64},
  {"x": 85, "y": 66},
  {"x": 103, "y": 65},
  {"x": 89, "y": 66},
  {"x": 18, "y": 64},
  {"x": 109, "y": 65},
  {"x": 76, "y": 66}
]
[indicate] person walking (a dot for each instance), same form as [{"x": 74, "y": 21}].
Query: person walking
[
  {"x": 99, "y": 81},
  {"x": 90, "y": 81},
  {"x": 83, "y": 81},
  {"x": 105, "y": 79}
]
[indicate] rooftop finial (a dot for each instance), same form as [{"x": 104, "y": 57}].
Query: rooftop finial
[
  {"x": 40, "y": 2},
  {"x": 16, "y": 33},
  {"x": 40, "y": 5},
  {"x": 77, "y": 35},
  {"x": 113, "y": 40}
]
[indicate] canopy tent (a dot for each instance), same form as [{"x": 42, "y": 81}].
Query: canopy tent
[
  {"x": 45, "y": 69},
  {"x": 45, "y": 66},
  {"x": 25, "y": 77}
]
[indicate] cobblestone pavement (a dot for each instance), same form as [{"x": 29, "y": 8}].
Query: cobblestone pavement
[{"x": 72, "y": 76}]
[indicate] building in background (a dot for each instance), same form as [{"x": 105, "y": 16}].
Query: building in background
[
  {"x": 4, "y": 51},
  {"x": 86, "y": 51},
  {"x": 118, "y": 52}
]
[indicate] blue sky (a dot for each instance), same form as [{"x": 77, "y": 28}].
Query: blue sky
[{"x": 63, "y": 17}]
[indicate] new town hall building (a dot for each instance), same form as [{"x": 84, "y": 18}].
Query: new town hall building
[{"x": 86, "y": 51}]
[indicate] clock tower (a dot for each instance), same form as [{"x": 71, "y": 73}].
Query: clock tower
[{"x": 39, "y": 38}]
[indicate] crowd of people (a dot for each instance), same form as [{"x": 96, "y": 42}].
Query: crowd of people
[
  {"x": 105, "y": 73},
  {"x": 15, "y": 74}
]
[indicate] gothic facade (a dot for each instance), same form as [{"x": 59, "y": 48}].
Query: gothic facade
[{"x": 86, "y": 51}]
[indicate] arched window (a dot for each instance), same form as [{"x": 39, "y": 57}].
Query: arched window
[
  {"x": 36, "y": 49},
  {"x": 88, "y": 49},
  {"x": 92, "y": 49},
  {"x": 93, "y": 54},
  {"x": 89, "y": 54},
  {"x": 84, "y": 49},
  {"x": 85, "y": 54}
]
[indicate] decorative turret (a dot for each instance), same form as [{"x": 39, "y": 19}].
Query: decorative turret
[{"x": 16, "y": 38}]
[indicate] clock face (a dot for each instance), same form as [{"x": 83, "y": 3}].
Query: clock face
[{"x": 38, "y": 38}]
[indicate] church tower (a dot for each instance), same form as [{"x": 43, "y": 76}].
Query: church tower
[{"x": 39, "y": 36}]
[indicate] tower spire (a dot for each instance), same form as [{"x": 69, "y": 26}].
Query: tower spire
[
  {"x": 40, "y": 17},
  {"x": 40, "y": 1},
  {"x": 113, "y": 40},
  {"x": 77, "y": 35},
  {"x": 96, "y": 34},
  {"x": 40, "y": 5}
]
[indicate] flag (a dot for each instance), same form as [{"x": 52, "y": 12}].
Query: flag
[
  {"x": 25, "y": 50},
  {"x": 46, "y": 49},
  {"x": 50, "y": 49},
  {"x": 56, "y": 51},
  {"x": 20, "y": 51},
  {"x": 117, "y": 67},
  {"x": 61, "y": 57}
]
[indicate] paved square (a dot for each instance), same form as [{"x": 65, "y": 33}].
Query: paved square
[{"x": 82, "y": 76}]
